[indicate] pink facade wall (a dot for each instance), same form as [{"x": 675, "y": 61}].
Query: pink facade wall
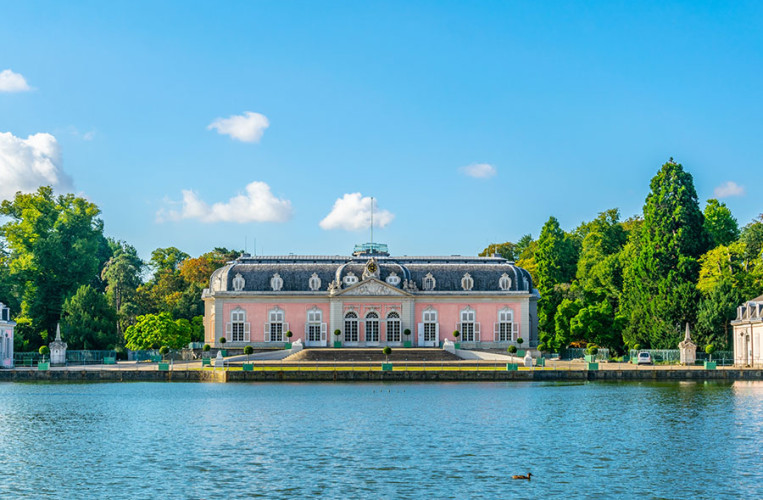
[
  {"x": 449, "y": 314},
  {"x": 257, "y": 315}
]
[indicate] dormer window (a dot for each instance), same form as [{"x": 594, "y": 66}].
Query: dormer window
[
  {"x": 428, "y": 283},
  {"x": 314, "y": 282},
  {"x": 350, "y": 279},
  {"x": 393, "y": 279},
  {"x": 276, "y": 282},
  {"x": 238, "y": 282},
  {"x": 467, "y": 282},
  {"x": 504, "y": 282}
]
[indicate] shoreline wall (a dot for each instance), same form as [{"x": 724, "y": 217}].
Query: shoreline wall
[{"x": 375, "y": 376}]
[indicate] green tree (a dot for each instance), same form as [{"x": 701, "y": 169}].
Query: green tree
[
  {"x": 89, "y": 321},
  {"x": 56, "y": 244},
  {"x": 164, "y": 259},
  {"x": 122, "y": 275},
  {"x": 659, "y": 292},
  {"x": 505, "y": 250},
  {"x": 153, "y": 330},
  {"x": 752, "y": 237},
  {"x": 716, "y": 310},
  {"x": 721, "y": 227},
  {"x": 556, "y": 259}
]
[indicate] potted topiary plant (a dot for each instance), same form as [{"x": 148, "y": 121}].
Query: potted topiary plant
[
  {"x": 287, "y": 345},
  {"x": 591, "y": 363},
  {"x": 205, "y": 360},
  {"x": 206, "y": 348},
  {"x": 337, "y": 342},
  {"x": 43, "y": 365},
  {"x": 387, "y": 366},
  {"x": 223, "y": 340},
  {"x": 710, "y": 364},
  {"x": 407, "y": 333},
  {"x": 520, "y": 351},
  {"x": 512, "y": 349},
  {"x": 456, "y": 343},
  {"x": 247, "y": 367},
  {"x": 163, "y": 365}
]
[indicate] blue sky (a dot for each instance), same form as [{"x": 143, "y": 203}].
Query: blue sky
[{"x": 573, "y": 105}]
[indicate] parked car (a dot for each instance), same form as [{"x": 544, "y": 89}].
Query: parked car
[{"x": 644, "y": 358}]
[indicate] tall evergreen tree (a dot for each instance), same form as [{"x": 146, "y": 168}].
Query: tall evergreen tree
[
  {"x": 720, "y": 224},
  {"x": 556, "y": 259},
  {"x": 659, "y": 290}
]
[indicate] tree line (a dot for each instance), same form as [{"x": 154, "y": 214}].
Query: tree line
[
  {"x": 56, "y": 265},
  {"x": 619, "y": 284}
]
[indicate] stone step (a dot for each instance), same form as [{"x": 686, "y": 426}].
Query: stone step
[{"x": 374, "y": 354}]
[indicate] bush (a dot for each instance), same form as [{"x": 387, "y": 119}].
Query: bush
[
  {"x": 289, "y": 334},
  {"x": 164, "y": 350},
  {"x": 407, "y": 332},
  {"x": 512, "y": 349},
  {"x": 387, "y": 351},
  {"x": 223, "y": 340},
  {"x": 592, "y": 350},
  {"x": 709, "y": 349},
  {"x": 520, "y": 340},
  {"x": 206, "y": 348},
  {"x": 44, "y": 350},
  {"x": 456, "y": 334},
  {"x": 248, "y": 350},
  {"x": 337, "y": 332}
]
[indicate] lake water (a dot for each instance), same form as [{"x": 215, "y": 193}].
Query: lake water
[{"x": 461, "y": 440}]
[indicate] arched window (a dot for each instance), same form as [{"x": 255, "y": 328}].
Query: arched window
[
  {"x": 350, "y": 279},
  {"x": 469, "y": 326},
  {"x": 276, "y": 282},
  {"x": 505, "y": 327},
  {"x": 314, "y": 282},
  {"x": 430, "y": 325},
  {"x": 372, "y": 327},
  {"x": 504, "y": 282},
  {"x": 393, "y": 327},
  {"x": 315, "y": 329},
  {"x": 237, "y": 329},
  {"x": 350, "y": 327},
  {"x": 428, "y": 282},
  {"x": 467, "y": 282},
  {"x": 276, "y": 326}
]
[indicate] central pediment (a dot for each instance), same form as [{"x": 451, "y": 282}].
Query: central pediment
[{"x": 373, "y": 288}]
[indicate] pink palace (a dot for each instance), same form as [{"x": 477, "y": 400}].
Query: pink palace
[{"x": 371, "y": 298}]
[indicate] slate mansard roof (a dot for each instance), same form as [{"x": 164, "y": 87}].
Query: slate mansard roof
[{"x": 296, "y": 271}]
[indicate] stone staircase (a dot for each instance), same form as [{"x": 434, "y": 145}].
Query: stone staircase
[{"x": 348, "y": 354}]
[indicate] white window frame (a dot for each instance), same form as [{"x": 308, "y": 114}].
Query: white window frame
[
  {"x": 504, "y": 329},
  {"x": 372, "y": 327},
  {"x": 504, "y": 282},
  {"x": 468, "y": 326},
  {"x": 314, "y": 282},
  {"x": 430, "y": 325},
  {"x": 276, "y": 327},
  {"x": 467, "y": 282},
  {"x": 237, "y": 329},
  {"x": 351, "y": 330},
  {"x": 393, "y": 331},
  {"x": 428, "y": 283},
  {"x": 315, "y": 328}
]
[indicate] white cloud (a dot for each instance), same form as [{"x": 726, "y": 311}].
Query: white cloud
[
  {"x": 479, "y": 170},
  {"x": 352, "y": 212},
  {"x": 248, "y": 127},
  {"x": 729, "y": 188},
  {"x": 26, "y": 164},
  {"x": 257, "y": 204},
  {"x": 12, "y": 82}
]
